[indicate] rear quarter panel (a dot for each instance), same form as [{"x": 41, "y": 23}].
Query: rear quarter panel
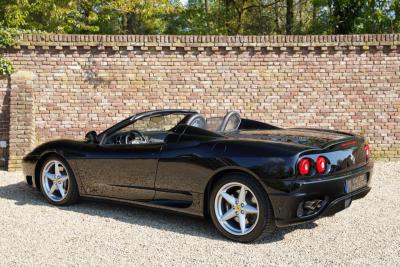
[{"x": 190, "y": 164}]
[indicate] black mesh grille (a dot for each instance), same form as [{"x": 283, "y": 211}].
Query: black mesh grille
[{"x": 3, "y": 155}]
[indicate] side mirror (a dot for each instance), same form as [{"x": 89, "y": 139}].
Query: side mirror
[{"x": 91, "y": 137}]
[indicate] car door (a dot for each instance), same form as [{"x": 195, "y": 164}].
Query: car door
[
  {"x": 122, "y": 171},
  {"x": 125, "y": 163}
]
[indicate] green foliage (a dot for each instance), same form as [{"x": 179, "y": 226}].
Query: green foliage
[
  {"x": 203, "y": 16},
  {"x": 6, "y": 67},
  {"x": 258, "y": 17},
  {"x": 88, "y": 16},
  {"x": 7, "y": 37}
]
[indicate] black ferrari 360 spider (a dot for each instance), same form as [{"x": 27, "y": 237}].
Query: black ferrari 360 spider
[{"x": 248, "y": 176}]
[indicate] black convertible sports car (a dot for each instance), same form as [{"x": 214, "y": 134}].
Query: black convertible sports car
[{"x": 248, "y": 176}]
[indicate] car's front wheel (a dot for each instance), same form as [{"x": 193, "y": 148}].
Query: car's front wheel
[
  {"x": 57, "y": 182},
  {"x": 240, "y": 209}
]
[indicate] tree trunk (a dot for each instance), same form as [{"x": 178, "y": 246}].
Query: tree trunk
[
  {"x": 289, "y": 16},
  {"x": 314, "y": 14},
  {"x": 300, "y": 27},
  {"x": 276, "y": 9},
  {"x": 124, "y": 23},
  {"x": 206, "y": 13}
]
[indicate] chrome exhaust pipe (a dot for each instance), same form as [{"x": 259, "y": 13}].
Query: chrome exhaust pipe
[{"x": 313, "y": 204}]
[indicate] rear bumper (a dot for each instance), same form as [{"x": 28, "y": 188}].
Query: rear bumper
[{"x": 288, "y": 201}]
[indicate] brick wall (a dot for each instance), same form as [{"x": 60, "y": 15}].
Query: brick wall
[{"x": 84, "y": 82}]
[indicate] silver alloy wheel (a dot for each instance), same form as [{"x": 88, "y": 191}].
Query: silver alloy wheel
[
  {"x": 55, "y": 180},
  {"x": 236, "y": 208}
]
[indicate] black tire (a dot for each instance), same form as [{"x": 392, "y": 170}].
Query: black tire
[
  {"x": 266, "y": 221},
  {"x": 72, "y": 194}
]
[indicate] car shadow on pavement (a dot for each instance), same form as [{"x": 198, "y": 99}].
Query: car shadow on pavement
[{"x": 23, "y": 194}]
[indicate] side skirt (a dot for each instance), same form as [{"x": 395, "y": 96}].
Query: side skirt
[{"x": 162, "y": 205}]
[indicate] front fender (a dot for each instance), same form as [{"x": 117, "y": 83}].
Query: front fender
[{"x": 65, "y": 149}]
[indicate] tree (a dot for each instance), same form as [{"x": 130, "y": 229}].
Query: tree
[
  {"x": 345, "y": 14},
  {"x": 87, "y": 16},
  {"x": 140, "y": 16},
  {"x": 230, "y": 17}
]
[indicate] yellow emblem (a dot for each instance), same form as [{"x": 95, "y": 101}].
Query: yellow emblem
[{"x": 238, "y": 207}]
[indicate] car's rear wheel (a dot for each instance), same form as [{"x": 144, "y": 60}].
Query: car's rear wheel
[
  {"x": 57, "y": 182},
  {"x": 240, "y": 209}
]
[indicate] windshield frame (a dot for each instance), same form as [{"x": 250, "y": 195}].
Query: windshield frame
[{"x": 130, "y": 120}]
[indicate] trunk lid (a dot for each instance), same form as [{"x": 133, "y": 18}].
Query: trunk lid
[
  {"x": 312, "y": 138},
  {"x": 344, "y": 151}
]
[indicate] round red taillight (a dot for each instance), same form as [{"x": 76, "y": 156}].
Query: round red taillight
[
  {"x": 367, "y": 151},
  {"x": 321, "y": 164},
  {"x": 304, "y": 166}
]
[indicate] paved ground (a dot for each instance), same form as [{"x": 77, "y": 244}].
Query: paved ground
[{"x": 35, "y": 233}]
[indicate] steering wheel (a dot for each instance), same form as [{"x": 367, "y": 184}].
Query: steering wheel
[{"x": 131, "y": 136}]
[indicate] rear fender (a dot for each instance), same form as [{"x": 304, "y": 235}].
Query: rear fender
[{"x": 222, "y": 172}]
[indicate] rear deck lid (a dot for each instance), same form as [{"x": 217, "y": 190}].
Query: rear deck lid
[{"x": 313, "y": 138}]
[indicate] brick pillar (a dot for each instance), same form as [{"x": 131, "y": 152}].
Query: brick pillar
[
  {"x": 22, "y": 131},
  {"x": 5, "y": 84}
]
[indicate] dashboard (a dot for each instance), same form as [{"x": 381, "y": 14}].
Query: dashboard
[{"x": 135, "y": 137}]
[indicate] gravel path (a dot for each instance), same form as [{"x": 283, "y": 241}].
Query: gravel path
[{"x": 99, "y": 234}]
